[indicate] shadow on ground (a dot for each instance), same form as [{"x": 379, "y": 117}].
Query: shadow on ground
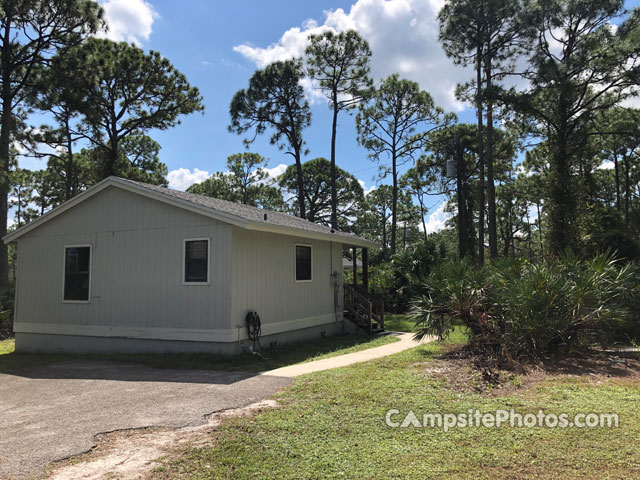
[{"x": 53, "y": 412}]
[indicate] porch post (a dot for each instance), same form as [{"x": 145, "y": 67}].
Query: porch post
[
  {"x": 365, "y": 269},
  {"x": 355, "y": 266}
]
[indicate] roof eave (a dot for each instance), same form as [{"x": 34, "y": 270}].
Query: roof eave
[
  {"x": 187, "y": 205},
  {"x": 123, "y": 184},
  {"x": 296, "y": 232},
  {"x": 13, "y": 236}
]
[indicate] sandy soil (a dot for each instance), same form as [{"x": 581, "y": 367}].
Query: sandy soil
[
  {"x": 133, "y": 454},
  {"x": 464, "y": 373}
]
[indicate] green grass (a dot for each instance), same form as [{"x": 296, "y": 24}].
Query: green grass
[
  {"x": 280, "y": 356},
  {"x": 402, "y": 323},
  {"x": 399, "y": 323},
  {"x": 7, "y": 346},
  {"x": 331, "y": 425}
]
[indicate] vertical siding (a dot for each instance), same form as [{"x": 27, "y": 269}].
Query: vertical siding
[
  {"x": 136, "y": 266},
  {"x": 263, "y": 278}
]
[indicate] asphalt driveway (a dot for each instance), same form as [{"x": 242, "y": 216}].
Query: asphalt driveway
[{"x": 54, "y": 412}]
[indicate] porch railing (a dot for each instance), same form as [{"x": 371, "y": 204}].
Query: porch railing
[{"x": 364, "y": 309}]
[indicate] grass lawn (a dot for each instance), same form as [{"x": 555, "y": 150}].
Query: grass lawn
[
  {"x": 288, "y": 354},
  {"x": 331, "y": 424},
  {"x": 399, "y": 323},
  {"x": 7, "y": 346}
]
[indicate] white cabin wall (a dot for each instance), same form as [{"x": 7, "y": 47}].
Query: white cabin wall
[
  {"x": 263, "y": 279},
  {"x": 136, "y": 270}
]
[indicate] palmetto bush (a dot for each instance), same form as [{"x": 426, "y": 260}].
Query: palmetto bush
[
  {"x": 517, "y": 309},
  {"x": 400, "y": 278}
]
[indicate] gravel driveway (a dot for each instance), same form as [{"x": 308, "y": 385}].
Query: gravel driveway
[{"x": 54, "y": 412}]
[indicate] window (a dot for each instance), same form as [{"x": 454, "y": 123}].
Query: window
[
  {"x": 77, "y": 273},
  {"x": 196, "y": 261},
  {"x": 303, "y": 263}
]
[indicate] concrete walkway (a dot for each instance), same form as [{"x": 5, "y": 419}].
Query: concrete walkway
[{"x": 406, "y": 341}]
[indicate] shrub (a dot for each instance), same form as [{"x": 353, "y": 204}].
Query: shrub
[
  {"x": 630, "y": 330},
  {"x": 517, "y": 309},
  {"x": 400, "y": 278}
]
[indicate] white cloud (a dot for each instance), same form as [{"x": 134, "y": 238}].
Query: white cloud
[
  {"x": 631, "y": 102},
  {"x": 34, "y": 162},
  {"x": 20, "y": 148},
  {"x": 436, "y": 220},
  {"x": 520, "y": 170},
  {"x": 128, "y": 20},
  {"x": 312, "y": 92},
  {"x": 183, "y": 178},
  {"x": 276, "y": 171},
  {"x": 364, "y": 187},
  {"x": 606, "y": 165},
  {"x": 403, "y": 35}
]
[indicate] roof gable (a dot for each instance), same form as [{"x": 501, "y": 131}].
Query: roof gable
[{"x": 243, "y": 216}]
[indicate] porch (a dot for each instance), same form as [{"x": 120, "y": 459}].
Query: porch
[{"x": 360, "y": 306}]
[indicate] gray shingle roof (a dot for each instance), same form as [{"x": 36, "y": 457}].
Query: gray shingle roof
[{"x": 248, "y": 213}]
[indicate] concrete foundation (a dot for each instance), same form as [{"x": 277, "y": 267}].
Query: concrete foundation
[{"x": 49, "y": 343}]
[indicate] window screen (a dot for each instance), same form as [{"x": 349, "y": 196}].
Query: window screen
[
  {"x": 303, "y": 263},
  {"x": 196, "y": 261},
  {"x": 77, "y": 262}
]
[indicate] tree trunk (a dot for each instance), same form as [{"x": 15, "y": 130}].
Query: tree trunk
[
  {"x": 394, "y": 203},
  {"x": 561, "y": 198},
  {"x": 481, "y": 185},
  {"x": 529, "y": 246},
  {"x": 404, "y": 234},
  {"x": 505, "y": 249},
  {"x": 462, "y": 207},
  {"x": 334, "y": 194},
  {"x": 423, "y": 211},
  {"x": 512, "y": 234},
  {"x": 384, "y": 231},
  {"x": 540, "y": 231},
  {"x": 617, "y": 177},
  {"x": 5, "y": 151},
  {"x": 298, "y": 157},
  {"x": 70, "y": 179},
  {"x": 244, "y": 186},
  {"x": 491, "y": 188},
  {"x": 19, "y": 208},
  {"x": 627, "y": 191},
  {"x": 114, "y": 144},
  {"x": 112, "y": 157}
]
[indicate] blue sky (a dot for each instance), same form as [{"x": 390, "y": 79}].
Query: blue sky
[{"x": 219, "y": 44}]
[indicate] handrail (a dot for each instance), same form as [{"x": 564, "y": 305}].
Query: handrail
[{"x": 365, "y": 306}]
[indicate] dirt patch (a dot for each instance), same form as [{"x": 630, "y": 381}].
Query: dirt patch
[
  {"x": 132, "y": 454},
  {"x": 460, "y": 371}
]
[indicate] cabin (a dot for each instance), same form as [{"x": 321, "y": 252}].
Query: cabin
[{"x": 131, "y": 267}]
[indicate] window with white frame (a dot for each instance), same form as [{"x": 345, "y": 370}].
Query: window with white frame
[
  {"x": 196, "y": 261},
  {"x": 77, "y": 273},
  {"x": 303, "y": 263}
]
